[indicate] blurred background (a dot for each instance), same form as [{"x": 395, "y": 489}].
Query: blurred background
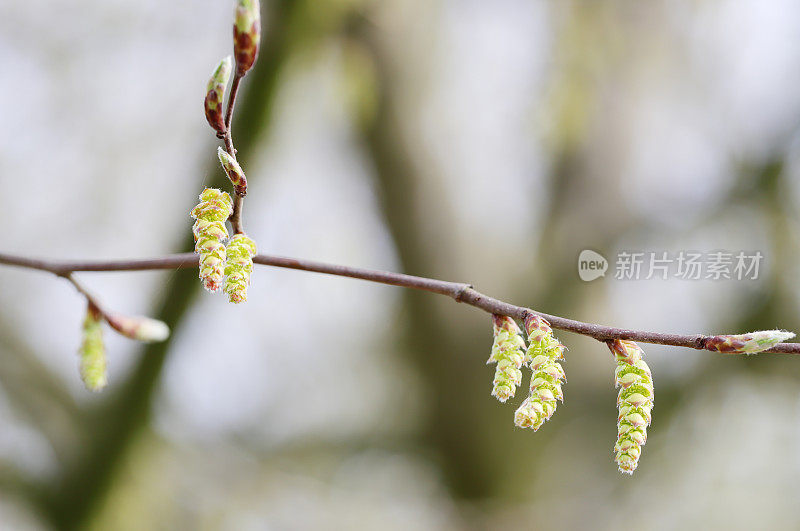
[{"x": 484, "y": 142}]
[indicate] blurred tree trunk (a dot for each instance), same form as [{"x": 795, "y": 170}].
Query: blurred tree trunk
[
  {"x": 463, "y": 421},
  {"x": 111, "y": 430}
]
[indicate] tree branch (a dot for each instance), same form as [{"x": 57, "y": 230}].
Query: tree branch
[{"x": 460, "y": 292}]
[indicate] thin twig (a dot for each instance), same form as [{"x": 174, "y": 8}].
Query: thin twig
[
  {"x": 237, "y": 78},
  {"x": 238, "y": 201},
  {"x": 460, "y": 292},
  {"x": 91, "y": 300}
]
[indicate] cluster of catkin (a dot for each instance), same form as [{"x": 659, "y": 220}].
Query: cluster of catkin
[
  {"x": 224, "y": 263},
  {"x": 632, "y": 376},
  {"x": 227, "y": 264},
  {"x": 220, "y": 264},
  {"x": 542, "y": 356}
]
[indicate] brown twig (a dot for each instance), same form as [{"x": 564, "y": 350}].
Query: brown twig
[
  {"x": 91, "y": 300},
  {"x": 459, "y": 292},
  {"x": 238, "y": 201}
]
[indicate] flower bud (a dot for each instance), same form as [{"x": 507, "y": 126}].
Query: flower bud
[
  {"x": 215, "y": 93},
  {"x": 635, "y": 401},
  {"x": 246, "y": 34},
  {"x": 241, "y": 250},
  {"x": 544, "y": 352},
  {"x": 751, "y": 343},
  {"x": 507, "y": 352},
  {"x": 92, "y": 352},
  {"x": 209, "y": 231},
  {"x": 234, "y": 171},
  {"x": 139, "y": 328}
]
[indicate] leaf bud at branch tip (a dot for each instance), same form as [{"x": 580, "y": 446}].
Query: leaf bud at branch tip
[
  {"x": 751, "y": 343},
  {"x": 246, "y": 34}
]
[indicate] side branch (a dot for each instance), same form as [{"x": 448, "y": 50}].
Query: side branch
[{"x": 460, "y": 292}]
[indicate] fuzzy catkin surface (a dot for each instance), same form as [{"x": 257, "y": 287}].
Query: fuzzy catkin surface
[
  {"x": 92, "y": 353},
  {"x": 635, "y": 402},
  {"x": 509, "y": 355},
  {"x": 543, "y": 356},
  {"x": 239, "y": 267},
  {"x": 209, "y": 233}
]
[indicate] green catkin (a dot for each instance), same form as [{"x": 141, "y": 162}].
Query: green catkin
[
  {"x": 635, "y": 402},
  {"x": 209, "y": 232},
  {"x": 544, "y": 353},
  {"x": 508, "y": 353},
  {"x": 239, "y": 266},
  {"x": 92, "y": 352}
]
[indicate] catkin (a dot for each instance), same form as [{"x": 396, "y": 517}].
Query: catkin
[
  {"x": 544, "y": 353},
  {"x": 508, "y": 353},
  {"x": 241, "y": 250},
  {"x": 209, "y": 232},
  {"x": 635, "y": 402},
  {"x": 92, "y": 352}
]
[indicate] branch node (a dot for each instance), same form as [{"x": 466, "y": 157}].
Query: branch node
[{"x": 462, "y": 291}]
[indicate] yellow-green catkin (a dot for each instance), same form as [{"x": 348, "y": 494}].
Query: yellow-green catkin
[
  {"x": 241, "y": 250},
  {"x": 92, "y": 352},
  {"x": 209, "y": 232},
  {"x": 635, "y": 403},
  {"x": 508, "y": 353},
  {"x": 544, "y": 353}
]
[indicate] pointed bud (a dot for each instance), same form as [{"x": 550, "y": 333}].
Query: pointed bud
[
  {"x": 246, "y": 34},
  {"x": 209, "y": 231},
  {"x": 234, "y": 171},
  {"x": 215, "y": 94},
  {"x": 139, "y": 328},
  {"x": 635, "y": 400},
  {"x": 751, "y": 343},
  {"x": 239, "y": 266},
  {"x": 92, "y": 352}
]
